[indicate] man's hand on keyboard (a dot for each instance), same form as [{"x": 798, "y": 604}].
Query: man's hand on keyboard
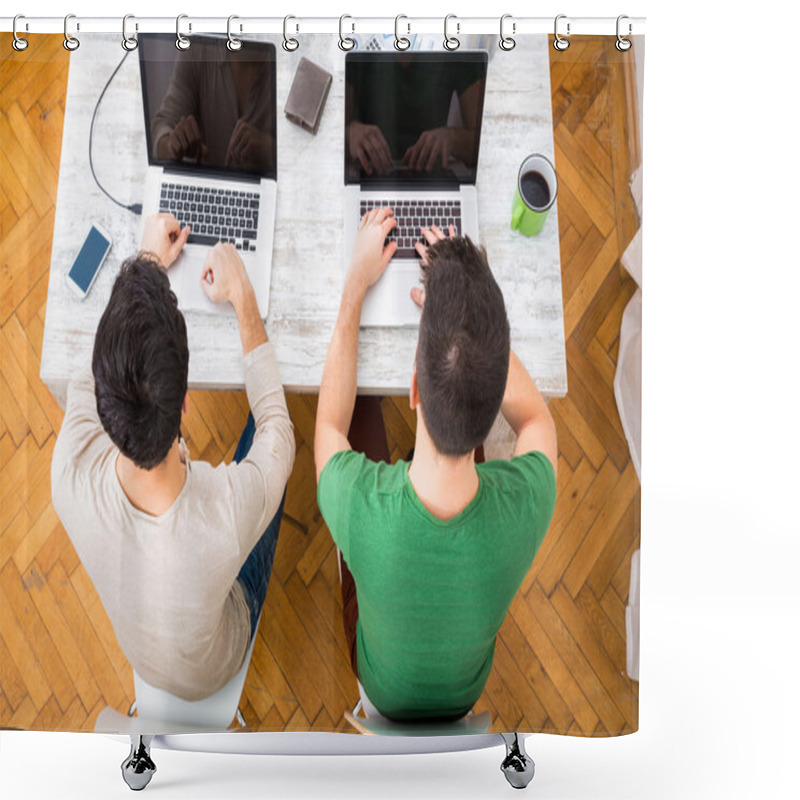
[
  {"x": 370, "y": 256},
  {"x": 432, "y": 235},
  {"x": 164, "y": 238}
]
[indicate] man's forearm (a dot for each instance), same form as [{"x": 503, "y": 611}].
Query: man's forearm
[
  {"x": 337, "y": 392},
  {"x": 522, "y": 402},
  {"x": 251, "y": 326}
]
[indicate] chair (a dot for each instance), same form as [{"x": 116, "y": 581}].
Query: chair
[
  {"x": 366, "y": 719},
  {"x": 158, "y": 711}
]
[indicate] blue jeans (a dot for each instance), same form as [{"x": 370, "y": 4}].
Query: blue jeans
[{"x": 255, "y": 572}]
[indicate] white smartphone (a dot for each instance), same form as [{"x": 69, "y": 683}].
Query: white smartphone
[{"x": 87, "y": 263}]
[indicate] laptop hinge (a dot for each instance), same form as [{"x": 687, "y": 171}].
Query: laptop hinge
[
  {"x": 422, "y": 186},
  {"x": 210, "y": 175}
]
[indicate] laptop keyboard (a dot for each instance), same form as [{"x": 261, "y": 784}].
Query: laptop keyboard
[
  {"x": 412, "y": 215},
  {"x": 215, "y": 215}
]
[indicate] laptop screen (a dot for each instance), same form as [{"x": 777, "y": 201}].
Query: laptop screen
[
  {"x": 413, "y": 116},
  {"x": 207, "y": 109}
]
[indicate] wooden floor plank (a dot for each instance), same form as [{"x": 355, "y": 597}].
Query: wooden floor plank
[
  {"x": 572, "y": 498},
  {"x": 614, "y": 684},
  {"x": 575, "y": 307},
  {"x": 556, "y": 559},
  {"x": 15, "y": 637},
  {"x": 587, "y": 167},
  {"x": 574, "y": 270},
  {"x": 36, "y": 538},
  {"x": 11, "y": 682},
  {"x": 61, "y": 633},
  {"x": 619, "y": 499},
  {"x": 604, "y": 629},
  {"x": 613, "y": 554},
  {"x": 537, "y": 631},
  {"x": 591, "y": 446},
  {"x": 87, "y": 642},
  {"x": 292, "y": 649},
  {"x": 28, "y": 617},
  {"x": 535, "y": 674},
  {"x": 584, "y": 191},
  {"x": 274, "y": 680},
  {"x": 13, "y": 418},
  {"x": 615, "y": 610},
  {"x": 570, "y": 651},
  {"x": 14, "y": 532}
]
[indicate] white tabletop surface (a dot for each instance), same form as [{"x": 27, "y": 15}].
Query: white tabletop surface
[{"x": 308, "y": 261}]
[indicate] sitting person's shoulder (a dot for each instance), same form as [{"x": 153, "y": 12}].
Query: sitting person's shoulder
[
  {"x": 529, "y": 471},
  {"x": 355, "y": 469}
]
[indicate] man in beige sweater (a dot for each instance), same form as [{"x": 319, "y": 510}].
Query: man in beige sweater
[{"x": 180, "y": 552}]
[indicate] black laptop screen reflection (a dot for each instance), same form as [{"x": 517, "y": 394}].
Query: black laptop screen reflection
[
  {"x": 413, "y": 116},
  {"x": 209, "y": 107}
]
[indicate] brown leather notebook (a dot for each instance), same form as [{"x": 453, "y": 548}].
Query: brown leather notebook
[{"x": 308, "y": 94}]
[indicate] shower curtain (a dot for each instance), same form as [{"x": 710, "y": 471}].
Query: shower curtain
[{"x": 564, "y": 659}]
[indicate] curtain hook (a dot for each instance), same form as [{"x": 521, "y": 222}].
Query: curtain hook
[
  {"x": 129, "y": 43},
  {"x": 561, "y": 43},
  {"x": 233, "y": 44},
  {"x": 290, "y": 44},
  {"x": 181, "y": 42},
  {"x": 345, "y": 42},
  {"x": 400, "y": 42},
  {"x": 451, "y": 42},
  {"x": 622, "y": 43},
  {"x": 70, "y": 42},
  {"x": 18, "y": 44},
  {"x": 507, "y": 42}
]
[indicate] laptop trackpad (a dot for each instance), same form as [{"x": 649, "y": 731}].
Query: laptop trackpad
[
  {"x": 406, "y": 311},
  {"x": 192, "y": 295}
]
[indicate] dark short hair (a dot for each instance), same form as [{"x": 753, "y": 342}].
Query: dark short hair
[
  {"x": 463, "y": 347},
  {"x": 141, "y": 363}
]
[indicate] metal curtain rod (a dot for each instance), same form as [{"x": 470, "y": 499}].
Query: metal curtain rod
[{"x": 460, "y": 26}]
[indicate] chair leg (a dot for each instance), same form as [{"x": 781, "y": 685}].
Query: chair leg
[
  {"x": 517, "y": 766},
  {"x": 138, "y": 768}
]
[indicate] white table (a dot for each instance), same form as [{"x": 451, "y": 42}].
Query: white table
[{"x": 308, "y": 261}]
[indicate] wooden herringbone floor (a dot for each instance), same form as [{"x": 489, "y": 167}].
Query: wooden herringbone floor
[{"x": 560, "y": 658}]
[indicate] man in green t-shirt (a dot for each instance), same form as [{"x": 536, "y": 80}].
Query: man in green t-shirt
[{"x": 437, "y": 547}]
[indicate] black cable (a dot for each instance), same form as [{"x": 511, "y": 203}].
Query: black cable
[{"x": 135, "y": 208}]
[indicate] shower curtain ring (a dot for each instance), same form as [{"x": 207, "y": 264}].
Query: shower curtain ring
[
  {"x": 129, "y": 43},
  {"x": 507, "y": 42},
  {"x": 70, "y": 42},
  {"x": 561, "y": 43},
  {"x": 345, "y": 42},
  {"x": 181, "y": 42},
  {"x": 19, "y": 44},
  {"x": 233, "y": 44},
  {"x": 623, "y": 44},
  {"x": 290, "y": 44},
  {"x": 451, "y": 43},
  {"x": 400, "y": 42}
]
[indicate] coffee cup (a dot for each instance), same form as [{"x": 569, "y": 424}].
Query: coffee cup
[{"x": 535, "y": 195}]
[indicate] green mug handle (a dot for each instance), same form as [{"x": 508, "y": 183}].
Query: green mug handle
[{"x": 517, "y": 214}]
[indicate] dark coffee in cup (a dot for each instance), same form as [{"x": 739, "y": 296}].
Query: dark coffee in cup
[{"x": 535, "y": 190}]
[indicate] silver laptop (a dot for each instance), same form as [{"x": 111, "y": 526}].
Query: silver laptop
[
  {"x": 412, "y": 136},
  {"x": 210, "y": 121}
]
